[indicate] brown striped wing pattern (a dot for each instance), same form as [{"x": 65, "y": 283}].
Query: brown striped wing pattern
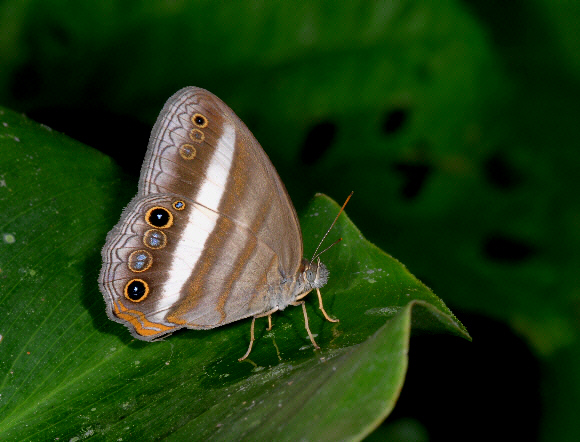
[{"x": 211, "y": 232}]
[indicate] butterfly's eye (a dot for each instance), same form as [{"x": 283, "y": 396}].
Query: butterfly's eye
[
  {"x": 199, "y": 120},
  {"x": 310, "y": 275}
]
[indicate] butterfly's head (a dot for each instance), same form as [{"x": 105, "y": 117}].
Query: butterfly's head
[{"x": 315, "y": 274}]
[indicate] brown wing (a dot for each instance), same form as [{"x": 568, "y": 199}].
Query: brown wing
[{"x": 231, "y": 232}]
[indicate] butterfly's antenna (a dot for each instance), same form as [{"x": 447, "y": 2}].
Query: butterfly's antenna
[
  {"x": 328, "y": 231},
  {"x": 332, "y": 245}
]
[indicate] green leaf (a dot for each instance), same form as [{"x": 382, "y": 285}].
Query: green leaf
[
  {"x": 67, "y": 371},
  {"x": 476, "y": 188}
]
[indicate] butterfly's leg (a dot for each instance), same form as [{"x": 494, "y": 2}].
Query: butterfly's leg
[
  {"x": 316, "y": 347},
  {"x": 269, "y": 323},
  {"x": 252, "y": 331},
  {"x": 302, "y": 295},
  {"x": 328, "y": 318},
  {"x": 251, "y": 340}
]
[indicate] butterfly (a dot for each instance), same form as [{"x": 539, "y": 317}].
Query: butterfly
[{"x": 212, "y": 236}]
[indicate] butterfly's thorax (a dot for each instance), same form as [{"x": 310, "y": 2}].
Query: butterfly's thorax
[{"x": 309, "y": 276}]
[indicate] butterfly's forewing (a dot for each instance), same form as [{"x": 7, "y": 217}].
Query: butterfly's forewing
[
  {"x": 230, "y": 233},
  {"x": 229, "y": 171}
]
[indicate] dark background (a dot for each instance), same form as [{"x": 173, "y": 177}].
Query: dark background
[{"x": 455, "y": 123}]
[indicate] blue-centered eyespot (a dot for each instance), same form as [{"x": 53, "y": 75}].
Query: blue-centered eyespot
[
  {"x": 155, "y": 239},
  {"x": 187, "y": 151},
  {"x": 179, "y": 205},
  {"x": 139, "y": 261}
]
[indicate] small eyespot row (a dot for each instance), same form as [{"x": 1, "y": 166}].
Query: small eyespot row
[
  {"x": 188, "y": 151},
  {"x": 136, "y": 290}
]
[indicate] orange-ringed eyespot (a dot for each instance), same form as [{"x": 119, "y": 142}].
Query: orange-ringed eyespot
[
  {"x": 159, "y": 217},
  {"x": 136, "y": 290},
  {"x": 155, "y": 239},
  {"x": 199, "y": 120},
  {"x": 187, "y": 151},
  {"x": 140, "y": 260},
  {"x": 179, "y": 205}
]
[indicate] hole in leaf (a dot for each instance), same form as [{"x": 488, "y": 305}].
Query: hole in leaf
[
  {"x": 500, "y": 173},
  {"x": 121, "y": 137},
  {"x": 58, "y": 34},
  {"x": 395, "y": 120},
  {"x": 318, "y": 140},
  {"x": 502, "y": 248},
  {"x": 415, "y": 176}
]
